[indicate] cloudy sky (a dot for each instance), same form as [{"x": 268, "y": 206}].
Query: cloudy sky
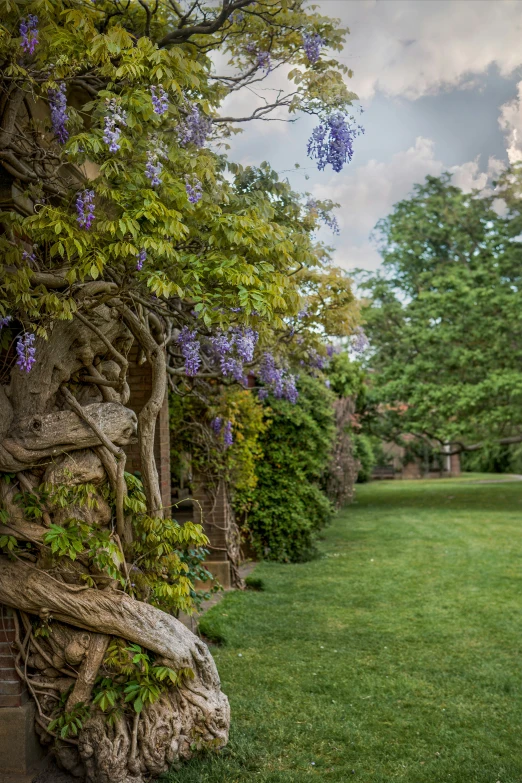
[{"x": 440, "y": 82}]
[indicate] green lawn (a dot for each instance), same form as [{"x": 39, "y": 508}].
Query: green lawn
[{"x": 395, "y": 656}]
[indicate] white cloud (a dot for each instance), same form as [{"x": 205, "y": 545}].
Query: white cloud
[
  {"x": 410, "y": 49},
  {"x": 510, "y": 121},
  {"x": 368, "y": 193}
]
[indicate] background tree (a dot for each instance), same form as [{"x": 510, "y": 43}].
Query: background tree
[
  {"x": 123, "y": 226},
  {"x": 444, "y": 319}
]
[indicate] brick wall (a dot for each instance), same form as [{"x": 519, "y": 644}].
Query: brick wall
[
  {"x": 140, "y": 384},
  {"x": 12, "y": 690}
]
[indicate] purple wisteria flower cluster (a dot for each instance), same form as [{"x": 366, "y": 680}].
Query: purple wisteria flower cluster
[
  {"x": 142, "y": 257},
  {"x": 240, "y": 341},
  {"x": 277, "y": 380},
  {"x": 327, "y": 218},
  {"x": 312, "y": 45},
  {"x": 360, "y": 341},
  {"x": 30, "y": 258},
  {"x": 59, "y": 115},
  {"x": 154, "y": 165},
  {"x": 316, "y": 360},
  {"x": 85, "y": 208},
  {"x": 29, "y": 33},
  {"x": 332, "y": 142},
  {"x": 6, "y": 319},
  {"x": 263, "y": 61},
  {"x": 194, "y": 189},
  {"x": 217, "y": 427},
  {"x": 115, "y": 119},
  {"x": 160, "y": 100},
  {"x": 195, "y": 128},
  {"x": 26, "y": 352},
  {"x": 190, "y": 347},
  {"x": 216, "y": 424}
]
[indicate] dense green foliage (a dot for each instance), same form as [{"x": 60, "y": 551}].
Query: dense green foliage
[
  {"x": 444, "y": 317},
  {"x": 289, "y": 507},
  {"x": 198, "y": 450},
  {"x": 364, "y": 453},
  {"x": 235, "y": 245},
  {"x": 393, "y": 657}
]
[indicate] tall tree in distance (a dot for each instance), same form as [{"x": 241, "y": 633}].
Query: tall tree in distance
[{"x": 444, "y": 317}]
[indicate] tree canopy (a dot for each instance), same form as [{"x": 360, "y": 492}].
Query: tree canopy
[{"x": 444, "y": 317}]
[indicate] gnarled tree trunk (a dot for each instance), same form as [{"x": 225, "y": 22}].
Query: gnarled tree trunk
[{"x": 65, "y": 423}]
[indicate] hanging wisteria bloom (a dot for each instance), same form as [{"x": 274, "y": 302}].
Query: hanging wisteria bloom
[
  {"x": 59, "y": 116},
  {"x": 5, "y": 320},
  {"x": 289, "y": 389},
  {"x": 280, "y": 383},
  {"x": 190, "y": 347},
  {"x": 194, "y": 189},
  {"x": 316, "y": 360},
  {"x": 115, "y": 119},
  {"x": 312, "y": 45},
  {"x": 216, "y": 424},
  {"x": 359, "y": 340},
  {"x": 30, "y": 258},
  {"x": 245, "y": 341},
  {"x": 262, "y": 394},
  {"x": 264, "y": 62},
  {"x": 85, "y": 208},
  {"x": 325, "y": 215},
  {"x": 142, "y": 257},
  {"x": 154, "y": 166},
  {"x": 29, "y": 33},
  {"x": 228, "y": 438},
  {"x": 332, "y": 142},
  {"x": 194, "y": 128},
  {"x": 332, "y": 349},
  {"x": 26, "y": 352},
  {"x": 160, "y": 100}
]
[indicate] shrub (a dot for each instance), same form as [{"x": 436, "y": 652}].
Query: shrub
[
  {"x": 289, "y": 507},
  {"x": 364, "y": 453}
]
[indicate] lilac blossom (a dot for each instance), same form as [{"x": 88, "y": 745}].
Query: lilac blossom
[
  {"x": 190, "y": 350},
  {"x": 194, "y": 190},
  {"x": 26, "y": 351},
  {"x": 142, "y": 257},
  {"x": 160, "y": 100},
  {"x": 194, "y": 128},
  {"x": 359, "y": 340},
  {"x": 114, "y": 118},
  {"x": 216, "y": 424},
  {"x": 5, "y": 320},
  {"x": 85, "y": 208},
  {"x": 59, "y": 116},
  {"x": 29, "y": 33},
  {"x": 228, "y": 438},
  {"x": 332, "y": 142},
  {"x": 312, "y": 45}
]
